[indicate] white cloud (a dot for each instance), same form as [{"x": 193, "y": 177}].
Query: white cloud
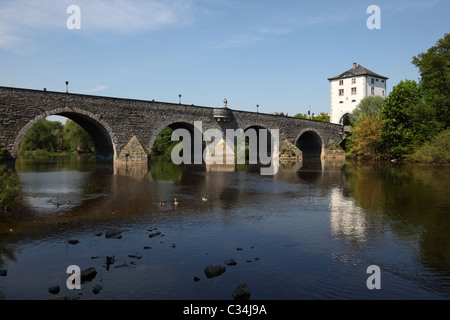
[
  {"x": 96, "y": 89},
  {"x": 276, "y": 30},
  {"x": 21, "y": 20}
]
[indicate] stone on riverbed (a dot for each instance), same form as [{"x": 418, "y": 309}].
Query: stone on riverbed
[
  {"x": 242, "y": 292},
  {"x": 54, "y": 290},
  {"x": 88, "y": 274},
  {"x": 214, "y": 271},
  {"x": 117, "y": 234},
  {"x": 152, "y": 235},
  {"x": 96, "y": 289},
  {"x": 73, "y": 241},
  {"x": 3, "y": 273},
  {"x": 230, "y": 262}
]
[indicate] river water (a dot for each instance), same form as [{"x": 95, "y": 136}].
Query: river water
[{"x": 309, "y": 232}]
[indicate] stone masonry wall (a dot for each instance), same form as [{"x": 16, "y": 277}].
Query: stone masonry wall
[{"x": 113, "y": 122}]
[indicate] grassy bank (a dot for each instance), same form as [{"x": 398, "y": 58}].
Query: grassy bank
[{"x": 9, "y": 188}]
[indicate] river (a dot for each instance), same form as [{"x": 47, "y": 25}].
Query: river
[{"x": 309, "y": 232}]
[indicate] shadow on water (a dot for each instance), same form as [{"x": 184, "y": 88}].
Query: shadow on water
[{"x": 311, "y": 171}]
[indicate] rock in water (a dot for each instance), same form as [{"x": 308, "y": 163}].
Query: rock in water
[
  {"x": 231, "y": 262},
  {"x": 242, "y": 292},
  {"x": 54, "y": 290},
  {"x": 96, "y": 289},
  {"x": 214, "y": 271},
  {"x": 88, "y": 274},
  {"x": 117, "y": 234}
]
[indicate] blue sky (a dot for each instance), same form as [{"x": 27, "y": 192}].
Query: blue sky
[{"x": 277, "y": 54}]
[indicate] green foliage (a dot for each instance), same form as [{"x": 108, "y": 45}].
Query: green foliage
[
  {"x": 302, "y": 116},
  {"x": 76, "y": 138},
  {"x": 163, "y": 145},
  {"x": 368, "y": 106},
  {"x": 435, "y": 78},
  {"x": 412, "y": 115},
  {"x": 9, "y": 187},
  {"x": 407, "y": 120},
  {"x": 45, "y": 137},
  {"x": 365, "y": 140},
  {"x": 435, "y": 151},
  {"x": 320, "y": 117}
]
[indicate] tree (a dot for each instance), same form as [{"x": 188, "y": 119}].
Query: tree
[
  {"x": 437, "y": 150},
  {"x": 52, "y": 136},
  {"x": 320, "y": 117},
  {"x": 325, "y": 117},
  {"x": 43, "y": 135},
  {"x": 163, "y": 144},
  {"x": 435, "y": 78},
  {"x": 365, "y": 139},
  {"x": 302, "y": 116},
  {"x": 368, "y": 106},
  {"x": 407, "y": 120},
  {"x": 76, "y": 138}
]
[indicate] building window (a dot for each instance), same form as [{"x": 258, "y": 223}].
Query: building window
[
  {"x": 383, "y": 93},
  {"x": 372, "y": 90},
  {"x": 353, "y": 80},
  {"x": 341, "y": 92},
  {"x": 353, "y": 100},
  {"x": 341, "y": 101},
  {"x": 373, "y": 81},
  {"x": 341, "y": 82},
  {"x": 382, "y": 81},
  {"x": 353, "y": 90}
]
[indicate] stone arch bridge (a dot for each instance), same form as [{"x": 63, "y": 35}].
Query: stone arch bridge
[{"x": 124, "y": 130}]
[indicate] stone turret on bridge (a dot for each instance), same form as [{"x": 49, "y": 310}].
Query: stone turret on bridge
[{"x": 124, "y": 130}]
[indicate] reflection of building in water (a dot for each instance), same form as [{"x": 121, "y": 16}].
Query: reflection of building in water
[{"x": 346, "y": 218}]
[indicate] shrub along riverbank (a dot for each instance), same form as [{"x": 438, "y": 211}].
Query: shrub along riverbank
[{"x": 9, "y": 188}]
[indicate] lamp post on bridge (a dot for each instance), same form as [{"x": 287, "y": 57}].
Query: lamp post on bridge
[
  {"x": 179, "y": 98},
  {"x": 67, "y": 86}
]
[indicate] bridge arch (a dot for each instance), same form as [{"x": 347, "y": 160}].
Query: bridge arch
[
  {"x": 257, "y": 128},
  {"x": 193, "y": 131},
  {"x": 310, "y": 142},
  {"x": 100, "y": 132},
  {"x": 345, "y": 119}
]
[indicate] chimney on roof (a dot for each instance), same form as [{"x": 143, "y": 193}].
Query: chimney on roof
[{"x": 354, "y": 65}]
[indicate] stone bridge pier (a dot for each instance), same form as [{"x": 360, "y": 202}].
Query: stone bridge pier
[{"x": 124, "y": 130}]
